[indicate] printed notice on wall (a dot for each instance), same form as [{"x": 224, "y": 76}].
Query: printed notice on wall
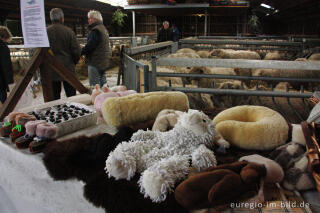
[{"x": 33, "y": 23}]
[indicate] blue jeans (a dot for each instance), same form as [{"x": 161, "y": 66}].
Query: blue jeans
[
  {"x": 96, "y": 76},
  {"x": 3, "y": 95}
]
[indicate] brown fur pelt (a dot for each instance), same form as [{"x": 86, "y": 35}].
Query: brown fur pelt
[
  {"x": 123, "y": 196},
  {"x": 83, "y": 156}
]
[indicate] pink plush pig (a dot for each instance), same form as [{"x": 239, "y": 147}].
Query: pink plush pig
[
  {"x": 125, "y": 93},
  {"x": 101, "y": 98},
  {"x": 96, "y": 91}
]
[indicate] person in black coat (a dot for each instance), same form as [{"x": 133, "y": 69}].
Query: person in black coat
[
  {"x": 165, "y": 33},
  {"x": 6, "y": 73}
]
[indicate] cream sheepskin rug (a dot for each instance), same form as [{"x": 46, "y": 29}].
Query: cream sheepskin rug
[{"x": 163, "y": 158}]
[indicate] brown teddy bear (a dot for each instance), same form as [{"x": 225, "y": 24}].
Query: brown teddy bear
[{"x": 219, "y": 185}]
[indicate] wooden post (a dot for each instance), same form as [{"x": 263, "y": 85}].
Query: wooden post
[
  {"x": 141, "y": 80},
  {"x": 45, "y": 77}
]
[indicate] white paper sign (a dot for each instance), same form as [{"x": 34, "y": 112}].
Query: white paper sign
[{"x": 33, "y": 23}]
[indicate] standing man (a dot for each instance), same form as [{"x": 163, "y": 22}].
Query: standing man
[
  {"x": 97, "y": 49},
  {"x": 65, "y": 47},
  {"x": 175, "y": 33},
  {"x": 6, "y": 73},
  {"x": 165, "y": 33}
]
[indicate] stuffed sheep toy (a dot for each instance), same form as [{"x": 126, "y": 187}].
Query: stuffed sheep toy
[{"x": 163, "y": 158}]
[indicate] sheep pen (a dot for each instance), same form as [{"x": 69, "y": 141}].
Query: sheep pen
[{"x": 211, "y": 100}]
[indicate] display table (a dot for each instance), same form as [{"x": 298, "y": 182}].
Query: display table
[{"x": 26, "y": 187}]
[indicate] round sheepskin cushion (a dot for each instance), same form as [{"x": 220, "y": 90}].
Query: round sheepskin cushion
[{"x": 252, "y": 127}]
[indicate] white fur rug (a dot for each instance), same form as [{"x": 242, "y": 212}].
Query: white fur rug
[{"x": 26, "y": 183}]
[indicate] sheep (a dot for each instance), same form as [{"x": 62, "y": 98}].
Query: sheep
[
  {"x": 289, "y": 74},
  {"x": 20, "y": 64},
  {"x": 174, "y": 80},
  {"x": 228, "y": 101},
  {"x": 200, "y": 101},
  {"x": 264, "y": 73},
  {"x": 274, "y": 56},
  {"x": 186, "y": 50},
  {"x": 234, "y": 54},
  {"x": 262, "y": 53},
  {"x": 207, "y": 82},
  {"x": 314, "y": 57},
  {"x": 15, "y": 65},
  {"x": 170, "y": 69},
  {"x": 244, "y": 72},
  {"x": 203, "y": 53},
  {"x": 184, "y": 55}
]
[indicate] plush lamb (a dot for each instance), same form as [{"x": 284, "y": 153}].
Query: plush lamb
[
  {"x": 167, "y": 119},
  {"x": 162, "y": 158}
]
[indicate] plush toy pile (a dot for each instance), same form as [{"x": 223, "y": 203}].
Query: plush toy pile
[
  {"x": 149, "y": 170},
  {"x": 163, "y": 157}
]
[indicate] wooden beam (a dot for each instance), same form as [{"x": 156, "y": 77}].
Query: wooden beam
[
  {"x": 46, "y": 82},
  {"x": 21, "y": 85}
]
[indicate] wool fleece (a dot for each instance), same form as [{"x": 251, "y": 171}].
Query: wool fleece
[
  {"x": 136, "y": 108},
  {"x": 81, "y": 157}
]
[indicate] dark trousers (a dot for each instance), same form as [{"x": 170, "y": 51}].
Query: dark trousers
[
  {"x": 3, "y": 95},
  {"x": 56, "y": 86}
]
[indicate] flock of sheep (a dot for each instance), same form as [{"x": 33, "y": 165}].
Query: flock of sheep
[{"x": 205, "y": 100}]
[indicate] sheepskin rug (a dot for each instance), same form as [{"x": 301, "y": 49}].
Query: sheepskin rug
[
  {"x": 163, "y": 158},
  {"x": 82, "y": 156},
  {"x": 123, "y": 196},
  {"x": 252, "y": 127}
]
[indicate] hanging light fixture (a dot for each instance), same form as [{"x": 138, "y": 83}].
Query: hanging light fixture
[{"x": 266, "y": 6}]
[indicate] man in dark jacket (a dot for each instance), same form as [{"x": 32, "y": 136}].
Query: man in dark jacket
[
  {"x": 6, "y": 73},
  {"x": 97, "y": 49},
  {"x": 65, "y": 47},
  {"x": 165, "y": 33}
]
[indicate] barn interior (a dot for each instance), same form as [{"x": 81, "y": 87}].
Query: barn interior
[
  {"x": 254, "y": 63},
  {"x": 223, "y": 17}
]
